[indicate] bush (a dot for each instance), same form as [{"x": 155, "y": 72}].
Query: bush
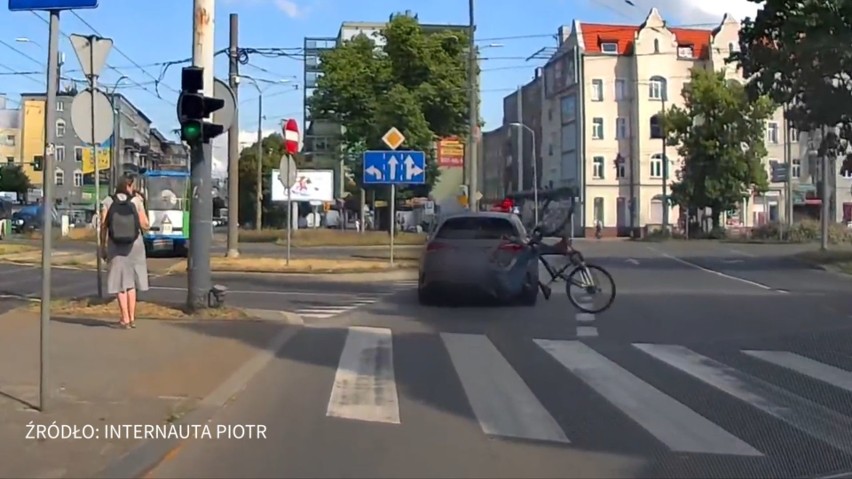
[{"x": 803, "y": 232}]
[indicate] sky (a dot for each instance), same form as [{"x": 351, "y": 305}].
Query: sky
[{"x": 148, "y": 34}]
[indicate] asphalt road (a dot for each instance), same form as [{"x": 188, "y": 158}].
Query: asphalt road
[{"x": 716, "y": 361}]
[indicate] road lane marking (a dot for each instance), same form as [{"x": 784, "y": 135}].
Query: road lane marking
[
  {"x": 365, "y": 385},
  {"x": 501, "y": 401},
  {"x": 681, "y": 429},
  {"x": 633, "y": 261},
  {"x": 807, "y": 416},
  {"x": 707, "y": 270},
  {"x": 826, "y": 373},
  {"x": 587, "y": 332}
]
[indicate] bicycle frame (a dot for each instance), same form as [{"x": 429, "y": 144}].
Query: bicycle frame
[{"x": 575, "y": 258}]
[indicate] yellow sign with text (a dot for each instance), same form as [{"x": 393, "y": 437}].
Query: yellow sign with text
[{"x": 103, "y": 160}]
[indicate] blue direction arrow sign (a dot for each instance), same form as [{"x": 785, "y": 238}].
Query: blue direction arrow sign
[
  {"x": 28, "y": 5},
  {"x": 394, "y": 167}
]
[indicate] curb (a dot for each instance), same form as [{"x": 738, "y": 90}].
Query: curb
[{"x": 145, "y": 457}]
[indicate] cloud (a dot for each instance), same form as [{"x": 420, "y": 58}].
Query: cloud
[
  {"x": 290, "y": 8},
  {"x": 700, "y": 12},
  {"x": 220, "y": 149}
]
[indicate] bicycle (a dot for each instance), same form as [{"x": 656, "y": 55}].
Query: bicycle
[{"x": 580, "y": 276}]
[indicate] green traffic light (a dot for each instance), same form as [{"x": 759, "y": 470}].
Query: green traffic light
[{"x": 191, "y": 131}]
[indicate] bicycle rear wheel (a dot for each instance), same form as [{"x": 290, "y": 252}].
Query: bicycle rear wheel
[{"x": 590, "y": 288}]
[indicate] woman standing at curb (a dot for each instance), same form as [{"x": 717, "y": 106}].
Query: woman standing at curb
[{"x": 123, "y": 219}]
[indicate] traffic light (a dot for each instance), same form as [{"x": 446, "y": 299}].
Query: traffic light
[
  {"x": 38, "y": 163},
  {"x": 193, "y": 108}
]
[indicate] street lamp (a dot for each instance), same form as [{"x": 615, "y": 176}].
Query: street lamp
[
  {"x": 535, "y": 165},
  {"x": 27, "y": 40},
  {"x": 256, "y": 82}
]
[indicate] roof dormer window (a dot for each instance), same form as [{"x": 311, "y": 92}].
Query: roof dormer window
[
  {"x": 610, "y": 48},
  {"x": 685, "y": 51}
]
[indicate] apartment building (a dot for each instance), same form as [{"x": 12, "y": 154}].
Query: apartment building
[
  {"x": 10, "y": 133},
  {"x": 608, "y": 84}
]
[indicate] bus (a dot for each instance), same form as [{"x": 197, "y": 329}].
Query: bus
[{"x": 167, "y": 199}]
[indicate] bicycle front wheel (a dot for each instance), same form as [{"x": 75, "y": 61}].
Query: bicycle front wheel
[{"x": 590, "y": 288}]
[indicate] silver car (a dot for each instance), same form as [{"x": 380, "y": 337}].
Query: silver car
[{"x": 462, "y": 255}]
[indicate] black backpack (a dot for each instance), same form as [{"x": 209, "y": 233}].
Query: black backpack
[{"x": 123, "y": 221}]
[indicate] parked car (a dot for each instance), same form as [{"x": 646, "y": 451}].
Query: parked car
[{"x": 29, "y": 219}]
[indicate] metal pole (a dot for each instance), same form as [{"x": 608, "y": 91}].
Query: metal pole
[
  {"x": 392, "y": 220},
  {"x": 47, "y": 208},
  {"x": 201, "y": 159},
  {"x": 474, "y": 112},
  {"x": 289, "y": 211},
  {"x": 535, "y": 175},
  {"x": 665, "y": 165},
  {"x": 361, "y": 211},
  {"x": 520, "y": 143},
  {"x": 259, "y": 212},
  {"x": 234, "y": 146},
  {"x": 93, "y": 84},
  {"x": 826, "y": 194}
]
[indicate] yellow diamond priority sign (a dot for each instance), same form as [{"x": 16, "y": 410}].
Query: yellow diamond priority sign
[{"x": 393, "y": 138}]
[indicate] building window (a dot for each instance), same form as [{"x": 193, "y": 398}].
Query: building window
[
  {"x": 10, "y": 160},
  {"x": 60, "y": 105},
  {"x": 569, "y": 108},
  {"x": 597, "y": 90},
  {"x": 620, "y": 90},
  {"x": 772, "y": 132},
  {"x": 550, "y": 114},
  {"x": 598, "y": 168},
  {"x": 620, "y": 167},
  {"x": 60, "y": 128},
  {"x": 621, "y": 130},
  {"x": 10, "y": 140},
  {"x": 78, "y": 178},
  {"x": 656, "y": 127},
  {"x": 796, "y": 169},
  {"x": 59, "y": 153},
  {"x": 597, "y": 128},
  {"x": 599, "y": 210},
  {"x": 656, "y": 45},
  {"x": 609, "y": 48},
  {"x": 794, "y": 135},
  {"x": 78, "y": 154},
  {"x": 657, "y": 88},
  {"x": 732, "y": 47},
  {"x": 59, "y": 177},
  {"x": 656, "y": 165},
  {"x": 685, "y": 52}
]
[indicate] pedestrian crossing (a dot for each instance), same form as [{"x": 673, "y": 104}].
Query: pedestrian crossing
[
  {"x": 325, "y": 311},
  {"x": 505, "y": 404}
]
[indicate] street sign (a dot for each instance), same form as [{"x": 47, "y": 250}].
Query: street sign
[
  {"x": 778, "y": 172},
  {"x": 292, "y": 139},
  {"x": 393, "y": 138},
  {"x": 394, "y": 167},
  {"x": 92, "y": 52},
  {"x": 81, "y": 117},
  {"x": 283, "y": 170},
  {"x": 27, "y": 5},
  {"x": 225, "y": 115},
  {"x": 429, "y": 208}
]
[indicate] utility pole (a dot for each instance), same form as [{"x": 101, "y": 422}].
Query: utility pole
[
  {"x": 234, "y": 144},
  {"x": 788, "y": 160},
  {"x": 827, "y": 154},
  {"x": 473, "y": 85},
  {"x": 519, "y": 103},
  {"x": 201, "y": 159},
  {"x": 93, "y": 84},
  {"x": 665, "y": 162},
  {"x": 47, "y": 209},
  {"x": 259, "y": 207}
]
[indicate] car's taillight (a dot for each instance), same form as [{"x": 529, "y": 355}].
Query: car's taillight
[
  {"x": 437, "y": 246},
  {"x": 511, "y": 247}
]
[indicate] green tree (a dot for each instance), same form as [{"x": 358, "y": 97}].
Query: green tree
[
  {"x": 273, "y": 149},
  {"x": 416, "y": 82},
  {"x": 798, "y": 54},
  {"x": 13, "y": 178},
  {"x": 719, "y": 132}
]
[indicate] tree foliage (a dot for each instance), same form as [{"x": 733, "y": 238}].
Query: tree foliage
[
  {"x": 13, "y": 178},
  {"x": 798, "y": 53},
  {"x": 718, "y": 119},
  {"x": 416, "y": 82},
  {"x": 273, "y": 148}
]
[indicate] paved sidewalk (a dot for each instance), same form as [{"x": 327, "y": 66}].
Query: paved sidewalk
[{"x": 102, "y": 376}]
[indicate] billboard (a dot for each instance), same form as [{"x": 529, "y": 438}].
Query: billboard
[
  {"x": 103, "y": 157},
  {"x": 311, "y": 185},
  {"x": 450, "y": 153}
]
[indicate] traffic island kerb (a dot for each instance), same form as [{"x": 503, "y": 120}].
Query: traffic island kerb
[
  {"x": 95, "y": 309},
  {"x": 248, "y": 264}
]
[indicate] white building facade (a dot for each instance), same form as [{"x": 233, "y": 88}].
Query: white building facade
[{"x": 608, "y": 83}]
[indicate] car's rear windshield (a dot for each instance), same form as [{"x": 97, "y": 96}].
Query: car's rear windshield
[{"x": 471, "y": 228}]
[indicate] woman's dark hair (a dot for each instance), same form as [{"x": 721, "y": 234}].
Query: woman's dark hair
[{"x": 125, "y": 181}]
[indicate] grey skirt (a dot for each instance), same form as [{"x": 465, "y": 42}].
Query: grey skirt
[{"x": 128, "y": 267}]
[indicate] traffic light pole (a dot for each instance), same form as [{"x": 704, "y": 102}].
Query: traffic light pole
[{"x": 201, "y": 160}]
